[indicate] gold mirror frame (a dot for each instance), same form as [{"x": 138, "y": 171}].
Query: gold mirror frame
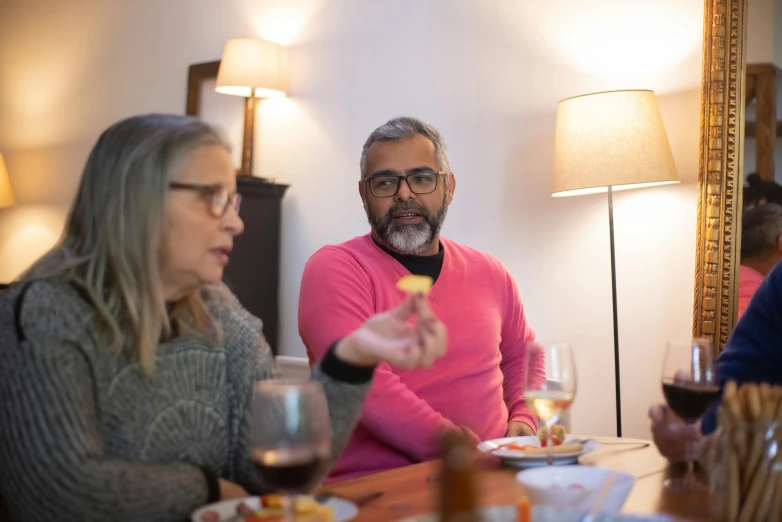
[{"x": 720, "y": 169}]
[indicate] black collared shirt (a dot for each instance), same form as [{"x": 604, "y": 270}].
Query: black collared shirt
[{"x": 419, "y": 265}]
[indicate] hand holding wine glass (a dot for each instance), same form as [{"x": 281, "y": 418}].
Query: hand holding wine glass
[
  {"x": 676, "y": 440},
  {"x": 550, "y": 385},
  {"x": 690, "y": 386}
]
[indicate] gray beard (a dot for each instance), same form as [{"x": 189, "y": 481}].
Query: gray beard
[{"x": 408, "y": 239}]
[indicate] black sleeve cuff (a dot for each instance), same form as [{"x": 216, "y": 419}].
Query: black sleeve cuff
[
  {"x": 212, "y": 485},
  {"x": 340, "y": 370}
]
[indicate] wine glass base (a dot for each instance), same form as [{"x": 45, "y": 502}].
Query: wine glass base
[{"x": 684, "y": 485}]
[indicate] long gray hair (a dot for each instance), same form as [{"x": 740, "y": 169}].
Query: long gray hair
[
  {"x": 111, "y": 245},
  {"x": 405, "y": 127}
]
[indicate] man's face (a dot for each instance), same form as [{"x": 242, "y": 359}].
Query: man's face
[{"x": 407, "y": 223}]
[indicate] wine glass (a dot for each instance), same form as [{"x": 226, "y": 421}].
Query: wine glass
[
  {"x": 690, "y": 386},
  {"x": 550, "y": 384},
  {"x": 290, "y": 436}
]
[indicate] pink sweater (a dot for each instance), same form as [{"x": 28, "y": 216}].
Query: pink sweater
[
  {"x": 749, "y": 281},
  {"x": 477, "y": 384}
]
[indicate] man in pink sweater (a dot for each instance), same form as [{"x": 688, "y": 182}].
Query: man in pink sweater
[
  {"x": 406, "y": 186},
  {"x": 761, "y": 249}
]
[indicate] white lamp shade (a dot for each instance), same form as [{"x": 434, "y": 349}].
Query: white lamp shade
[
  {"x": 612, "y": 139},
  {"x": 250, "y": 66},
  {"x": 6, "y": 196}
]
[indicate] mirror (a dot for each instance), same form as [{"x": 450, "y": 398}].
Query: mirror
[{"x": 720, "y": 169}]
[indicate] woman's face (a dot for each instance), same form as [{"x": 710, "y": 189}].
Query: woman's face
[{"x": 196, "y": 238}]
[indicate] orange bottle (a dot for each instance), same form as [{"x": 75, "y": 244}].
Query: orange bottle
[{"x": 458, "y": 499}]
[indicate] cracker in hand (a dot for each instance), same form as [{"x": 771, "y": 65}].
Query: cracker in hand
[{"x": 414, "y": 284}]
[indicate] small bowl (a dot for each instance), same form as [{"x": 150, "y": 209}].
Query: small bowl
[{"x": 575, "y": 487}]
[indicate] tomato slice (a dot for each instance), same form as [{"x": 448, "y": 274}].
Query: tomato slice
[{"x": 519, "y": 447}]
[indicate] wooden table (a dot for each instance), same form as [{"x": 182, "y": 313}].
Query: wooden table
[{"x": 413, "y": 489}]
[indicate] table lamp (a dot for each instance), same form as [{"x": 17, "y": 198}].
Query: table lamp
[
  {"x": 6, "y": 196},
  {"x": 605, "y": 142},
  {"x": 251, "y": 68}
]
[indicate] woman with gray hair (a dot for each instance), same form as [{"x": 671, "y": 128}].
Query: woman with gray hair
[{"x": 128, "y": 367}]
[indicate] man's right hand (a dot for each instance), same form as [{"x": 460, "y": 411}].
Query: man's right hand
[
  {"x": 390, "y": 337},
  {"x": 676, "y": 441}
]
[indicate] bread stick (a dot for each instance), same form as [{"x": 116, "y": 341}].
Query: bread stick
[
  {"x": 765, "y": 496},
  {"x": 752, "y": 499},
  {"x": 732, "y": 401},
  {"x": 775, "y": 512},
  {"x": 768, "y": 402},
  {"x": 758, "y": 439},
  {"x": 730, "y": 390},
  {"x": 733, "y": 485},
  {"x": 753, "y": 401}
]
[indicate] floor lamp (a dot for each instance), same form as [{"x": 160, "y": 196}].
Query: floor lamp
[
  {"x": 251, "y": 68},
  {"x": 606, "y": 142}
]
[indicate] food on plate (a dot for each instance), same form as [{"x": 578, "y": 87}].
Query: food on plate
[
  {"x": 272, "y": 510},
  {"x": 518, "y": 447},
  {"x": 531, "y": 449},
  {"x": 557, "y": 435},
  {"x": 414, "y": 284},
  {"x": 556, "y": 450}
]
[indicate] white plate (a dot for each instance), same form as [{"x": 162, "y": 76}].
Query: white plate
[
  {"x": 517, "y": 459},
  {"x": 544, "y": 514},
  {"x": 344, "y": 510}
]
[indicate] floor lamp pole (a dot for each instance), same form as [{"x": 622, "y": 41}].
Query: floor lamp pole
[
  {"x": 248, "y": 143},
  {"x": 616, "y": 322}
]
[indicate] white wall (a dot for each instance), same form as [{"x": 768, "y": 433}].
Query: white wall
[
  {"x": 751, "y": 158},
  {"x": 764, "y": 31},
  {"x": 764, "y": 45},
  {"x": 488, "y": 73},
  {"x": 761, "y": 18}
]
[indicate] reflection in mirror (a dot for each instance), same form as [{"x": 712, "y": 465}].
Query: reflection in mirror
[{"x": 761, "y": 219}]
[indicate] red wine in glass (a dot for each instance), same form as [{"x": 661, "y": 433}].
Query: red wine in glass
[
  {"x": 689, "y": 400},
  {"x": 290, "y": 470}
]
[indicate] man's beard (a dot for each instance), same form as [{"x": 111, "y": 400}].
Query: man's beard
[{"x": 408, "y": 239}]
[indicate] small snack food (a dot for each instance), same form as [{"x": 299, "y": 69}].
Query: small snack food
[
  {"x": 272, "y": 510},
  {"x": 413, "y": 284},
  {"x": 557, "y": 434}
]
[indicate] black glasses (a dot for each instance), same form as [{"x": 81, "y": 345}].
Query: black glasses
[
  {"x": 387, "y": 185},
  {"x": 220, "y": 197}
]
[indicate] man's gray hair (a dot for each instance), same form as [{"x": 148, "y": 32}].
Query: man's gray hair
[
  {"x": 405, "y": 127},
  {"x": 761, "y": 228}
]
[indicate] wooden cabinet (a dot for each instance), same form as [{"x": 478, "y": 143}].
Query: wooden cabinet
[{"x": 253, "y": 272}]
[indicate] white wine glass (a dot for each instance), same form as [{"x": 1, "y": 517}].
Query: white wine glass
[{"x": 550, "y": 384}]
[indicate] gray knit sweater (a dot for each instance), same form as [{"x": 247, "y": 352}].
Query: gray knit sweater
[{"x": 85, "y": 436}]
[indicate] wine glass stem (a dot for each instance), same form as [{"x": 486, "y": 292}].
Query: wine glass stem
[
  {"x": 289, "y": 506},
  {"x": 549, "y": 444},
  {"x": 689, "y": 476}
]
